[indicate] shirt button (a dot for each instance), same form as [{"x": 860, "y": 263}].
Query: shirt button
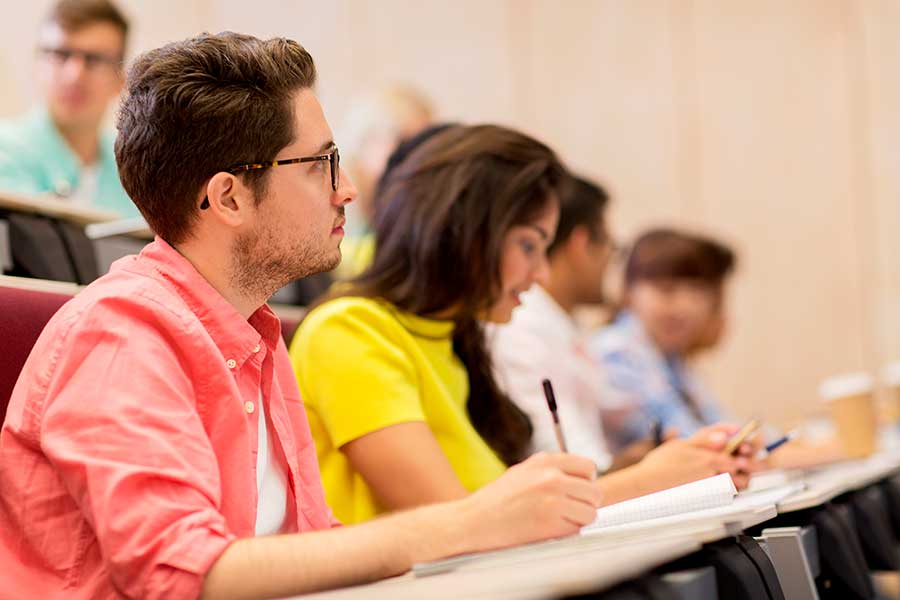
[
  {"x": 63, "y": 187},
  {"x": 255, "y": 349},
  {"x": 249, "y": 407},
  {"x": 231, "y": 363}
]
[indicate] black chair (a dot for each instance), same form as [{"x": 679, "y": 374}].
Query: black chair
[
  {"x": 44, "y": 248},
  {"x": 845, "y": 573},
  {"x": 874, "y": 527}
]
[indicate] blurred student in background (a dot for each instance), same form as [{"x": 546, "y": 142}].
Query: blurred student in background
[
  {"x": 674, "y": 309},
  {"x": 543, "y": 339},
  {"x": 674, "y": 296},
  {"x": 60, "y": 147},
  {"x": 374, "y": 127},
  {"x": 395, "y": 372}
]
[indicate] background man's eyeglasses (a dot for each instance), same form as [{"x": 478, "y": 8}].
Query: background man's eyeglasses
[{"x": 93, "y": 61}]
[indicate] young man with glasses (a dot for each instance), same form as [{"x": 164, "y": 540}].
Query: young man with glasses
[
  {"x": 155, "y": 444},
  {"x": 60, "y": 147}
]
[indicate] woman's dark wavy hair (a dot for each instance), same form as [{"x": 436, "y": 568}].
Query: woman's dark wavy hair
[{"x": 440, "y": 220}]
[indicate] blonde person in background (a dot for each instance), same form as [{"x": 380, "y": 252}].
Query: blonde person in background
[
  {"x": 394, "y": 368},
  {"x": 60, "y": 147},
  {"x": 374, "y": 127}
]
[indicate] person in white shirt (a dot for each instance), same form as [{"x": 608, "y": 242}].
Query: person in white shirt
[{"x": 544, "y": 341}]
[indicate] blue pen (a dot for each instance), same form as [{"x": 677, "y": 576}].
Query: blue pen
[{"x": 781, "y": 441}]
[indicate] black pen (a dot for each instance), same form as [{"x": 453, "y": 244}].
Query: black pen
[{"x": 551, "y": 404}]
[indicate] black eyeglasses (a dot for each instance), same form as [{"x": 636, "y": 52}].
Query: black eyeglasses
[
  {"x": 333, "y": 157},
  {"x": 93, "y": 61}
]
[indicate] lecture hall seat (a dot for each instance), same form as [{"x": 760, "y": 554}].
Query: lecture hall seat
[{"x": 23, "y": 314}]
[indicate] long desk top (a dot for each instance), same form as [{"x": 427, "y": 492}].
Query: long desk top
[
  {"x": 55, "y": 207},
  {"x": 540, "y": 575},
  {"x": 701, "y": 531},
  {"x": 825, "y": 484}
]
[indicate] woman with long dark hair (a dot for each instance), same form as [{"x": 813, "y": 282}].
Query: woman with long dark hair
[{"x": 393, "y": 367}]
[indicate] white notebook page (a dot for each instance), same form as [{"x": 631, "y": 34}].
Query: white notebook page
[{"x": 711, "y": 492}]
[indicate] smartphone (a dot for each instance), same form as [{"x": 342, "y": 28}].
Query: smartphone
[{"x": 741, "y": 436}]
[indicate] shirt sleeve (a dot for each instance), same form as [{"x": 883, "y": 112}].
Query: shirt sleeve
[
  {"x": 121, "y": 427},
  {"x": 354, "y": 371}
]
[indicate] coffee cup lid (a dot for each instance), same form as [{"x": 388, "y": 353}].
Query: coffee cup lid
[
  {"x": 890, "y": 374},
  {"x": 841, "y": 386}
]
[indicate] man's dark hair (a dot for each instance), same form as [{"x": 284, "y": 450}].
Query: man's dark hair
[
  {"x": 200, "y": 106},
  {"x": 582, "y": 204},
  {"x": 72, "y": 15},
  {"x": 671, "y": 254}
]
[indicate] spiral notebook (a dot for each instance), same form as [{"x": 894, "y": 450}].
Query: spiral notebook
[{"x": 712, "y": 492}]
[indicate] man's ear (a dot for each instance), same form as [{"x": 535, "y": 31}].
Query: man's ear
[
  {"x": 579, "y": 240},
  {"x": 227, "y": 199}
]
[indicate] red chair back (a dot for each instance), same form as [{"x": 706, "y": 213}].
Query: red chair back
[{"x": 23, "y": 315}]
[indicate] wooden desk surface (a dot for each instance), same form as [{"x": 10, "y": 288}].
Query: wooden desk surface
[
  {"x": 51, "y": 206},
  {"x": 534, "y": 577},
  {"x": 829, "y": 482}
]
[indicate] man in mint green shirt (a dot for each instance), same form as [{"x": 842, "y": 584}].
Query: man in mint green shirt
[{"x": 60, "y": 147}]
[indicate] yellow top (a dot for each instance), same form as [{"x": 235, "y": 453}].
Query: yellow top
[{"x": 364, "y": 365}]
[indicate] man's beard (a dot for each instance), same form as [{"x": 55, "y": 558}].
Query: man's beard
[{"x": 260, "y": 267}]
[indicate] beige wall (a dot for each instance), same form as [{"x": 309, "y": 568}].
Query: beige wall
[{"x": 772, "y": 123}]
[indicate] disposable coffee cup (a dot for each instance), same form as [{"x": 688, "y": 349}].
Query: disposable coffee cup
[{"x": 851, "y": 402}]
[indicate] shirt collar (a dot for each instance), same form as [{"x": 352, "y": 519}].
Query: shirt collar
[
  {"x": 628, "y": 322},
  {"x": 538, "y": 304},
  {"x": 236, "y": 337},
  {"x": 633, "y": 328}
]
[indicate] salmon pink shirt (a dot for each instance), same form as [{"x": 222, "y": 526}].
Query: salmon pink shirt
[{"x": 129, "y": 451}]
